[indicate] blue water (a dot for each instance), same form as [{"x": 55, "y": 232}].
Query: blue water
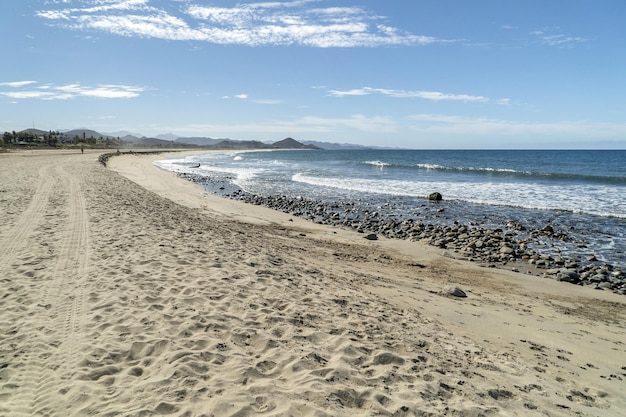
[{"x": 582, "y": 193}]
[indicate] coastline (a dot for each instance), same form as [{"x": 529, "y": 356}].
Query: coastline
[
  {"x": 146, "y": 295},
  {"x": 539, "y": 249}
]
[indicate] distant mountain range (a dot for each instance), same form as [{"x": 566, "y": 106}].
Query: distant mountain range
[{"x": 170, "y": 140}]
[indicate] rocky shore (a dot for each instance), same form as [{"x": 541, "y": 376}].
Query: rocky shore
[{"x": 507, "y": 247}]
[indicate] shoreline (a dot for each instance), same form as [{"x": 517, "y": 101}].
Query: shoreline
[
  {"x": 143, "y": 294},
  {"x": 500, "y": 248}
]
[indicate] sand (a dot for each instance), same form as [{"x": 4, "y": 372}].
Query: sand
[{"x": 128, "y": 291}]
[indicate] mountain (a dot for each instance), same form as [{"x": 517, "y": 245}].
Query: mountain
[
  {"x": 239, "y": 144},
  {"x": 156, "y": 142},
  {"x": 85, "y": 132},
  {"x": 170, "y": 140},
  {"x": 167, "y": 136},
  {"x": 198, "y": 141},
  {"x": 291, "y": 143},
  {"x": 36, "y": 132},
  {"x": 335, "y": 146},
  {"x": 129, "y": 138},
  {"x": 153, "y": 142},
  {"x": 123, "y": 133}
]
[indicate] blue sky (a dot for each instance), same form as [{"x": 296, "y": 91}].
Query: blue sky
[{"x": 410, "y": 73}]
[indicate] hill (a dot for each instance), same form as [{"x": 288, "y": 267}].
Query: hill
[
  {"x": 87, "y": 133},
  {"x": 167, "y": 136},
  {"x": 334, "y": 146},
  {"x": 153, "y": 142},
  {"x": 290, "y": 143},
  {"x": 36, "y": 132},
  {"x": 199, "y": 141}
]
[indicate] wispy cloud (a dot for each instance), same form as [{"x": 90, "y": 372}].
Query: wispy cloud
[
  {"x": 268, "y": 101},
  {"x": 426, "y": 95},
  {"x": 253, "y": 24},
  {"x": 242, "y": 96},
  {"x": 303, "y": 125},
  {"x": 67, "y": 91},
  {"x": 17, "y": 84},
  {"x": 468, "y": 126},
  {"x": 552, "y": 36},
  {"x": 363, "y": 123}
]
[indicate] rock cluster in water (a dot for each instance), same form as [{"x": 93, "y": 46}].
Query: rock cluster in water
[{"x": 489, "y": 247}]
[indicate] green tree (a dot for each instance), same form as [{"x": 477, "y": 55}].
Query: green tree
[{"x": 7, "y": 138}]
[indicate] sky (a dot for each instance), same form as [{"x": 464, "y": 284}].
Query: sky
[{"x": 419, "y": 74}]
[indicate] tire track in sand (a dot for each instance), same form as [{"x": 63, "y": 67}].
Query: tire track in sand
[
  {"x": 18, "y": 261},
  {"x": 34, "y": 384},
  {"x": 66, "y": 297},
  {"x": 16, "y": 240}
]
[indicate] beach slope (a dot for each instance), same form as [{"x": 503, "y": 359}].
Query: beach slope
[{"x": 125, "y": 290}]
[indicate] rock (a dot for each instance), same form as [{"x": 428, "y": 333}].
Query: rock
[
  {"x": 435, "y": 197},
  {"x": 371, "y": 236},
  {"x": 507, "y": 250},
  {"x": 454, "y": 291},
  {"x": 500, "y": 394},
  {"x": 598, "y": 278},
  {"x": 568, "y": 276}
]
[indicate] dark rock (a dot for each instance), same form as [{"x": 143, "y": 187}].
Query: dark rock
[
  {"x": 568, "y": 276},
  {"x": 492, "y": 247},
  {"x": 500, "y": 394},
  {"x": 435, "y": 197}
]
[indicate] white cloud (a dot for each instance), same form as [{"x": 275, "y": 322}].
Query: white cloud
[
  {"x": 241, "y": 96},
  {"x": 265, "y": 23},
  {"x": 552, "y": 36},
  {"x": 68, "y": 91},
  {"x": 17, "y": 84},
  {"x": 25, "y": 94},
  {"x": 426, "y": 95}
]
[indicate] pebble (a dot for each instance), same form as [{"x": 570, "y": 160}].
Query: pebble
[{"x": 485, "y": 246}]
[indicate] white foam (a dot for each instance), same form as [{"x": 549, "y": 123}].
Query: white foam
[
  {"x": 378, "y": 164},
  {"x": 602, "y": 201}
]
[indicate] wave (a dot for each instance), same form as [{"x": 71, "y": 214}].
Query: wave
[
  {"x": 546, "y": 176},
  {"x": 378, "y": 164},
  {"x": 502, "y": 172},
  {"x": 582, "y": 199},
  {"x": 477, "y": 169}
]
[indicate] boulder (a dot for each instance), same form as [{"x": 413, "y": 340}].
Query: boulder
[
  {"x": 454, "y": 291},
  {"x": 435, "y": 196},
  {"x": 568, "y": 276}
]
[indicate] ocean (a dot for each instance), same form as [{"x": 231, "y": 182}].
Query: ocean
[{"x": 581, "y": 193}]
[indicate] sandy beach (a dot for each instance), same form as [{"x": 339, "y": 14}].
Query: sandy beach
[{"x": 126, "y": 291}]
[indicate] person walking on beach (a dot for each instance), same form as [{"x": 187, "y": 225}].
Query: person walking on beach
[{"x": 82, "y": 149}]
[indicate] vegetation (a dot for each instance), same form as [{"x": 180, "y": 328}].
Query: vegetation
[{"x": 54, "y": 139}]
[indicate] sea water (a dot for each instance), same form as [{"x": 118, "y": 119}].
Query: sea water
[{"x": 581, "y": 193}]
